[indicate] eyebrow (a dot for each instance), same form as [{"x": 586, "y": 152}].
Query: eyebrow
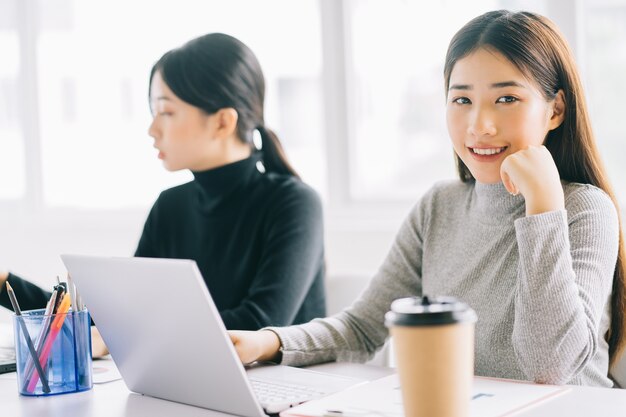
[{"x": 494, "y": 85}]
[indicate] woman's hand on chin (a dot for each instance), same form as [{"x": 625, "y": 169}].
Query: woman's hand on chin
[{"x": 533, "y": 173}]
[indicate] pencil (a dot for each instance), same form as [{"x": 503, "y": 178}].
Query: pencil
[
  {"x": 29, "y": 343},
  {"x": 55, "y": 328},
  {"x": 43, "y": 334}
]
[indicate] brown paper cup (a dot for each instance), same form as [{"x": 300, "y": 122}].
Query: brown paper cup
[{"x": 435, "y": 359}]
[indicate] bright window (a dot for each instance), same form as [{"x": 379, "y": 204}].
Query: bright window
[
  {"x": 604, "y": 60},
  {"x": 12, "y": 164},
  {"x": 93, "y": 65},
  {"x": 398, "y": 143}
]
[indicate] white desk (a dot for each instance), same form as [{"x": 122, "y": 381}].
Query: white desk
[{"x": 114, "y": 400}]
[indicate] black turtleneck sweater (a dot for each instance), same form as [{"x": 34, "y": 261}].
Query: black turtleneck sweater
[{"x": 257, "y": 239}]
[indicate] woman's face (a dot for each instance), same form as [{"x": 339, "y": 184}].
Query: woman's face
[
  {"x": 493, "y": 111},
  {"x": 183, "y": 134}
]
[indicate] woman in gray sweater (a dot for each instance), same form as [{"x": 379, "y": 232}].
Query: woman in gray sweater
[{"x": 529, "y": 237}]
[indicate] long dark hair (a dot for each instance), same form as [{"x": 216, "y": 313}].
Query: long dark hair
[
  {"x": 217, "y": 71},
  {"x": 535, "y": 45}
]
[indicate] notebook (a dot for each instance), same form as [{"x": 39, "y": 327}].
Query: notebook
[{"x": 168, "y": 341}]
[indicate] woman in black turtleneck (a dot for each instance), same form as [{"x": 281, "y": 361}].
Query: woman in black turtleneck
[{"x": 253, "y": 227}]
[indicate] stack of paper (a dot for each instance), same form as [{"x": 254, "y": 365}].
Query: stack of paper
[{"x": 382, "y": 398}]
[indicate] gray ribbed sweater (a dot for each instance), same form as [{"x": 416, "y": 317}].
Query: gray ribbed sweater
[{"x": 540, "y": 284}]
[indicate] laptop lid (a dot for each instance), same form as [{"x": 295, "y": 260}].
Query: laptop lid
[{"x": 163, "y": 331}]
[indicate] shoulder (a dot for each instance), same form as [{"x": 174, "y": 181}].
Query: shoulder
[
  {"x": 587, "y": 197},
  {"x": 443, "y": 193},
  {"x": 450, "y": 190},
  {"x": 288, "y": 190},
  {"x": 442, "y": 197},
  {"x": 585, "y": 200},
  {"x": 174, "y": 196}
]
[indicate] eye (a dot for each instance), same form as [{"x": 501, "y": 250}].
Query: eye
[
  {"x": 461, "y": 100},
  {"x": 506, "y": 99}
]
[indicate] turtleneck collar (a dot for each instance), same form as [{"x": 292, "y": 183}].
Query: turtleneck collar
[
  {"x": 494, "y": 201},
  {"x": 218, "y": 183}
]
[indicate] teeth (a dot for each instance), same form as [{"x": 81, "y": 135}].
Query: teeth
[{"x": 487, "y": 151}]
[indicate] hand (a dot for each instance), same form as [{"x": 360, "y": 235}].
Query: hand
[
  {"x": 262, "y": 345},
  {"x": 533, "y": 173},
  {"x": 98, "y": 348},
  {"x": 3, "y": 278}
]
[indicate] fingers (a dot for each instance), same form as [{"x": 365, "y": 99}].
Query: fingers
[
  {"x": 98, "y": 348},
  {"x": 242, "y": 346},
  {"x": 506, "y": 179}
]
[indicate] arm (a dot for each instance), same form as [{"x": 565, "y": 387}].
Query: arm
[
  {"x": 567, "y": 262},
  {"x": 29, "y": 295},
  {"x": 146, "y": 246},
  {"x": 566, "y": 268},
  {"x": 291, "y": 258},
  {"x": 358, "y": 332}
]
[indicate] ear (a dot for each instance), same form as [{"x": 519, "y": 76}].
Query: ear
[
  {"x": 225, "y": 122},
  {"x": 558, "y": 110}
]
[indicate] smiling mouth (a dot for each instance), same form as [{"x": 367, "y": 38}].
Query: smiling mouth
[{"x": 488, "y": 151}]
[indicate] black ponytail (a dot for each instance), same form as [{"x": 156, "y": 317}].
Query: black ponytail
[
  {"x": 217, "y": 71},
  {"x": 274, "y": 158}
]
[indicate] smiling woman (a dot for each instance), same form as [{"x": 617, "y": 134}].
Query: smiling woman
[
  {"x": 529, "y": 236},
  {"x": 494, "y": 111}
]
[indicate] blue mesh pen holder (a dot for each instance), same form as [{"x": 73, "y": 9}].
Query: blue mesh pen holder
[{"x": 62, "y": 345}]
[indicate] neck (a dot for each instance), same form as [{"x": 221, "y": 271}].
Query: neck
[
  {"x": 230, "y": 152},
  {"x": 494, "y": 201}
]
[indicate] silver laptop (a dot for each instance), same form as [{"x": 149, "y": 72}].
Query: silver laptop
[{"x": 168, "y": 340}]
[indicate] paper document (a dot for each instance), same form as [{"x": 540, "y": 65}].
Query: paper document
[
  {"x": 7, "y": 345},
  {"x": 104, "y": 370},
  {"x": 382, "y": 398}
]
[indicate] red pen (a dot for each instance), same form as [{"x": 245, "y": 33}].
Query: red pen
[{"x": 55, "y": 328}]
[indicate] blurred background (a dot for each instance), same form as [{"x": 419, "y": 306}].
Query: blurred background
[{"x": 355, "y": 92}]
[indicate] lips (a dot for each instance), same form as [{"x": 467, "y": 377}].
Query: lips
[
  {"x": 488, "y": 151},
  {"x": 487, "y": 154}
]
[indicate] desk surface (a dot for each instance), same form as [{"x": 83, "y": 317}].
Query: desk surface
[{"x": 113, "y": 399}]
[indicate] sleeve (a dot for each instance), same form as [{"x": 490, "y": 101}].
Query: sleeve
[
  {"x": 29, "y": 295},
  {"x": 567, "y": 263},
  {"x": 147, "y": 243},
  {"x": 291, "y": 258},
  {"x": 356, "y": 333}
]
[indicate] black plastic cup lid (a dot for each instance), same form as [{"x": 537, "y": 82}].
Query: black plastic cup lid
[{"x": 424, "y": 311}]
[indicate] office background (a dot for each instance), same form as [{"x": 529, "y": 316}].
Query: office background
[{"x": 355, "y": 92}]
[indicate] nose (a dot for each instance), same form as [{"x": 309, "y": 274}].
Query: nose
[
  {"x": 482, "y": 123},
  {"x": 153, "y": 131}
]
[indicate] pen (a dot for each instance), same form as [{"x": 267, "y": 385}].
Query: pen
[
  {"x": 55, "y": 328},
  {"x": 72, "y": 290},
  {"x": 29, "y": 343},
  {"x": 43, "y": 334},
  {"x": 60, "y": 289}
]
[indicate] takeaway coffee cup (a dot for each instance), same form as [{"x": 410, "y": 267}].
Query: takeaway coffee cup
[{"x": 434, "y": 346}]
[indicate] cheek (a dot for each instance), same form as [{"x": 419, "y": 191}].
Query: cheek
[
  {"x": 456, "y": 127},
  {"x": 531, "y": 127}
]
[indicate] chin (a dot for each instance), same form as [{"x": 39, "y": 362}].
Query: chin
[{"x": 170, "y": 167}]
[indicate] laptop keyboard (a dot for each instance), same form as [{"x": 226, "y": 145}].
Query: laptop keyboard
[{"x": 272, "y": 392}]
